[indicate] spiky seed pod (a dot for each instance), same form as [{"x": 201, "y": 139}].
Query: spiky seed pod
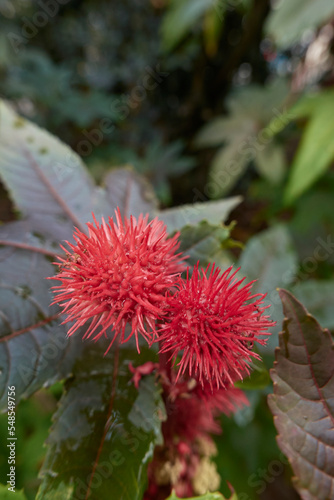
[
  {"x": 118, "y": 274},
  {"x": 214, "y": 320}
]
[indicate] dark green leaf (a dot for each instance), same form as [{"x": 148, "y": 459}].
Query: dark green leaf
[
  {"x": 93, "y": 105},
  {"x": 104, "y": 431},
  {"x": 165, "y": 160},
  {"x": 302, "y": 403}
]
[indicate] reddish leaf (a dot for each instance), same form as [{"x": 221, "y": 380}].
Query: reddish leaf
[
  {"x": 130, "y": 192},
  {"x": 46, "y": 180},
  {"x": 51, "y": 187},
  {"x": 303, "y": 400},
  {"x": 34, "y": 349}
]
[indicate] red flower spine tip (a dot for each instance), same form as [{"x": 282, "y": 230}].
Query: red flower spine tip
[
  {"x": 214, "y": 320},
  {"x": 118, "y": 275}
]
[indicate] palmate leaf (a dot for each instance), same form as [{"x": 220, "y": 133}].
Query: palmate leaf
[
  {"x": 244, "y": 136},
  {"x": 34, "y": 350},
  {"x": 50, "y": 185},
  {"x": 52, "y": 189},
  {"x": 104, "y": 431},
  {"x": 250, "y": 108},
  {"x": 46, "y": 180},
  {"x": 303, "y": 400}
]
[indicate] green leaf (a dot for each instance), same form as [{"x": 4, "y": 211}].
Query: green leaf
[
  {"x": 250, "y": 109},
  {"x": 271, "y": 260},
  {"x": 270, "y": 162},
  {"x": 105, "y": 430},
  {"x": 10, "y": 495},
  {"x": 318, "y": 298},
  {"x": 290, "y": 19},
  {"x": 302, "y": 403},
  {"x": 213, "y": 212},
  {"x": 247, "y": 136},
  {"x": 224, "y": 128},
  {"x": 205, "y": 243},
  {"x": 258, "y": 379},
  {"x": 316, "y": 149},
  {"x": 93, "y": 105},
  {"x": 305, "y": 106},
  {"x": 308, "y": 104},
  {"x": 180, "y": 17},
  {"x": 60, "y": 492},
  {"x": 228, "y": 165},
  {"x": 207, "y": 496},
  {"x": 165, "y": 160},
  {"x": 258, "y": 101}
]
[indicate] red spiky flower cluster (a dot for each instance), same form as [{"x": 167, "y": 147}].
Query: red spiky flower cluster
[
  {"x": 127, "y": 272},
  {"x": 214, "y": 322},
  {"x": 118, "y": 274}
]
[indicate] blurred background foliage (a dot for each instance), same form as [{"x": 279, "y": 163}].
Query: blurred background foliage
[{"x": 206, "y": 98}]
